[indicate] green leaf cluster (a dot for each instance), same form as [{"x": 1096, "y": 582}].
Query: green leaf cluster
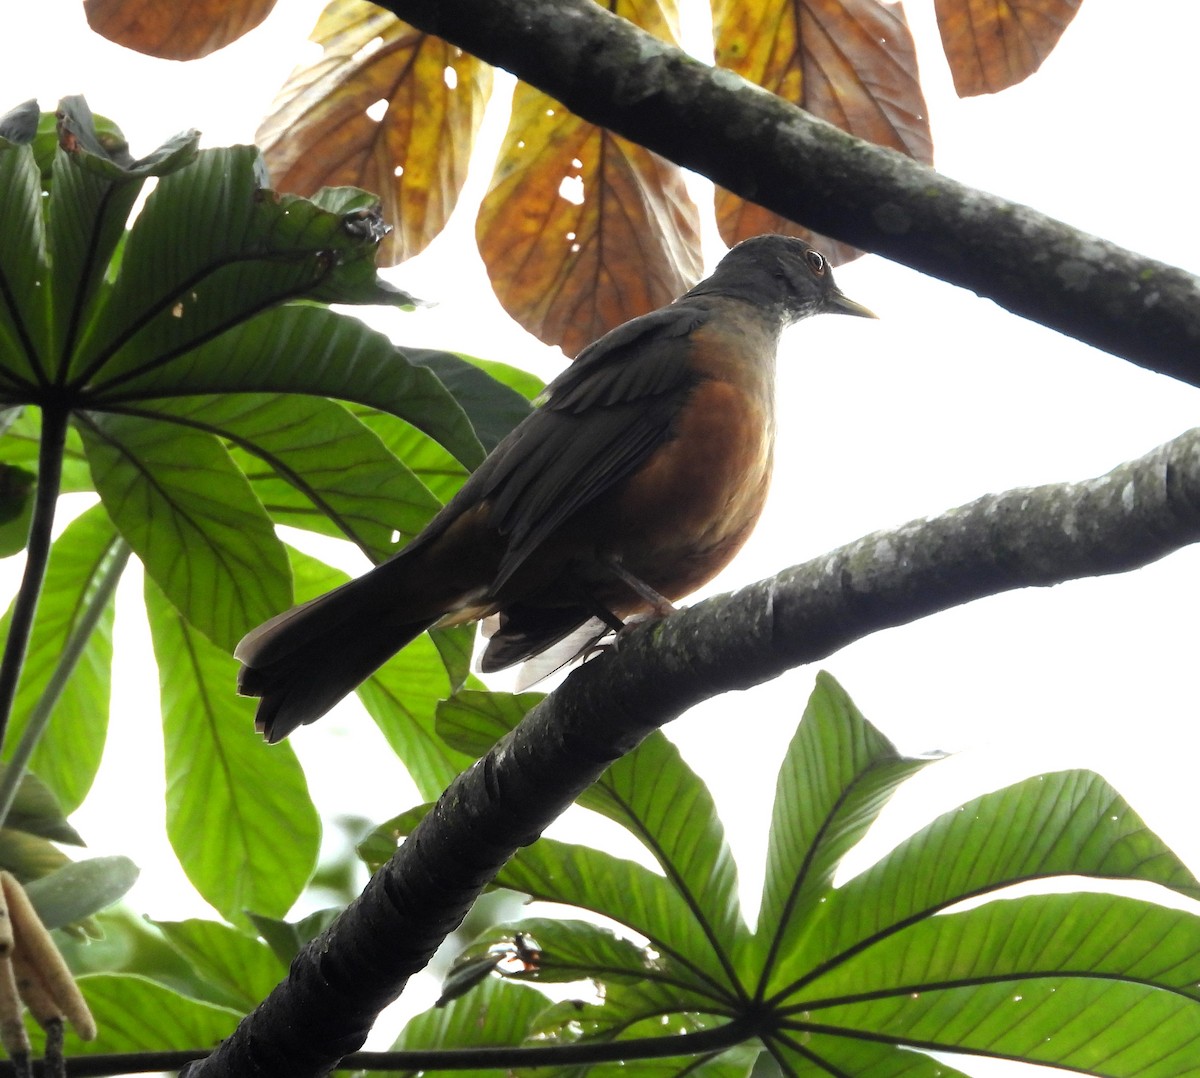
[
  {"x": 182, "y": 363},
  {"x": 925, "y": 951}
]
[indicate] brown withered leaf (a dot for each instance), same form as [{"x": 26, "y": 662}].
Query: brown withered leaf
[
  {"x": 994, "y": 44},
  {"x": 184, "y": 31},
  {"x": 582, "y": 230},
  {"x": 851, "y": 62},
  {"x": 426, "y": 99}
]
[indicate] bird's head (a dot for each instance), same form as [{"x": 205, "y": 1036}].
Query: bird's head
[{"x": 785, "y": 272}]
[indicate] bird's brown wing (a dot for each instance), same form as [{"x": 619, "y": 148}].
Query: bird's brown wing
[{"x": 600, "y": 420}]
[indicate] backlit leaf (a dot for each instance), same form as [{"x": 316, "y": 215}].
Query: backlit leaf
[
  {"x": 387, "y": 108},
  {"x": 653, "y": 794},
  {"x": 1100, "y": 983},
  {"x": 190, "y": 515},
  {"x": 582, "y": 230},
  {"x": 838, "y": 773},
  {"x": 175, "y": 31},
  {"x": 472, "y": 721},
  {"x": 28, "y": 857},
  {"x": 1079, "y": 935},
  {"x": 238, "y": 813},
  {"x": 380, "y": 845},
  {"x": 1108, "y": 1028},
  {"x": 402, "y": 695},
  {"x": 67, "y": 754},
  {"x": 134, "y": 1014},
  {"x": 24, "y": 268},
  {"x": 994, "y": 44},
  {"x": 632, "y": 895},
  {"x": 16, "y": 507},
  {"x": 94, "y": 184},
  {"x": 21, "y": 441},
  {"x": 1069, "y": 822},
  {"x": 496, "y": 1013},
  {"x": 241, "y": 966},
  {"x": 212, "y": 248},
  {"x": 304, "y": 349},
  {"x": 814, "y": 1055},
  {"x": 313, "y": 465},
  {"x": 851, "y": 62},
  {"x": 285, "y": 938},
  {"x": 36, "y": 811},
  {"x": 495, "y": 396},
  {"x": 638, "y": 1012},
  {"x": 423, "y": 456}
]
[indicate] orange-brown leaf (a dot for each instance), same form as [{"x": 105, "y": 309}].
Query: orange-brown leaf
[
  {"x": 994, "y": 44},
  {"x": 426, "y": 99},
  {"x": 582, "y": 230},
  {"x": 175, "y": 31},
  {"x": 851, "y": 62}
]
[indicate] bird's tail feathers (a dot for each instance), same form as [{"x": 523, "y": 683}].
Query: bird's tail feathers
[
  {"x": 300, "y": 687},
  {"x": 302, "y": 624},
  {"x": 306, "y": 659}
]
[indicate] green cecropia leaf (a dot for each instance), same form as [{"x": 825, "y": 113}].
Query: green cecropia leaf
[{"x": 867, "y": 977}]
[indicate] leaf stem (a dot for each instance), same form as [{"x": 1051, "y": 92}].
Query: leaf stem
[
  {"x": 37, "y": 555},
  {"x": 111, "y": 569},
  {"x": 707, "y": 1041}
]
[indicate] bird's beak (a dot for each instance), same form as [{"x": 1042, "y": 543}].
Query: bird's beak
[{"x": 836, "y": 303}]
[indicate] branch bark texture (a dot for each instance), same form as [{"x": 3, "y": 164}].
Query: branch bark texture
[
  {"x": 1035, "y": 536},
  {"x": 607, "y": 71}
]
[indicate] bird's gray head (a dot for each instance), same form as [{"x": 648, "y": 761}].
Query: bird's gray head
[{"x": 782, "y": 272}]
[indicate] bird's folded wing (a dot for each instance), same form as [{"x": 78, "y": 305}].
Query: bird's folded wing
[{"x": 601, "y": 419}]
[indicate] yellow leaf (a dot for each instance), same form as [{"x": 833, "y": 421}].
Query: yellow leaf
[
  {"x": 184, "y": 31},
  {"x": 386, "y": 108},
  {"x": 851, "y": 62},
  {"x": 582, "y": 230},
  {"x": 994, "y": 44}
]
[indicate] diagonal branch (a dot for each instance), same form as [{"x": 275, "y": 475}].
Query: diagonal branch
[
  {"x": 1036, "y": 536},
  {"x": 609, "y": 72}
]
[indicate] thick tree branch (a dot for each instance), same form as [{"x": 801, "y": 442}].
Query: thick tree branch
[
  {"x": 709, "y": 120},
  {"x": 1029, "y": 537}
]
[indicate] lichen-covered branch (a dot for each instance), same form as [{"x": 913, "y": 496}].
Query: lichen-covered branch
[
  {"x": 1030, "y": 537},
  {"x": 755, "y": 144}
]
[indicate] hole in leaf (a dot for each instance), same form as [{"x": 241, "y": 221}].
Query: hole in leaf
[{"x": 571, "y": 189}]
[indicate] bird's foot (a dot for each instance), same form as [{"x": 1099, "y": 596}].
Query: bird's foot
[
  {"x": 660, "y": 605},
  {"x": 610, "y": 641}
]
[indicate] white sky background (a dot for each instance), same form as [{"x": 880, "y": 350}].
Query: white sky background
[{"x": 947, "y": 397}]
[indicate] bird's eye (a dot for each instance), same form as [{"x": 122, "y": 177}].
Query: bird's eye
[{"x": 816, "y": 262}]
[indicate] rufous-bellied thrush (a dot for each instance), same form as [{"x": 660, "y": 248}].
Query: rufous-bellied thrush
[{"x": 636, "y": 480}]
